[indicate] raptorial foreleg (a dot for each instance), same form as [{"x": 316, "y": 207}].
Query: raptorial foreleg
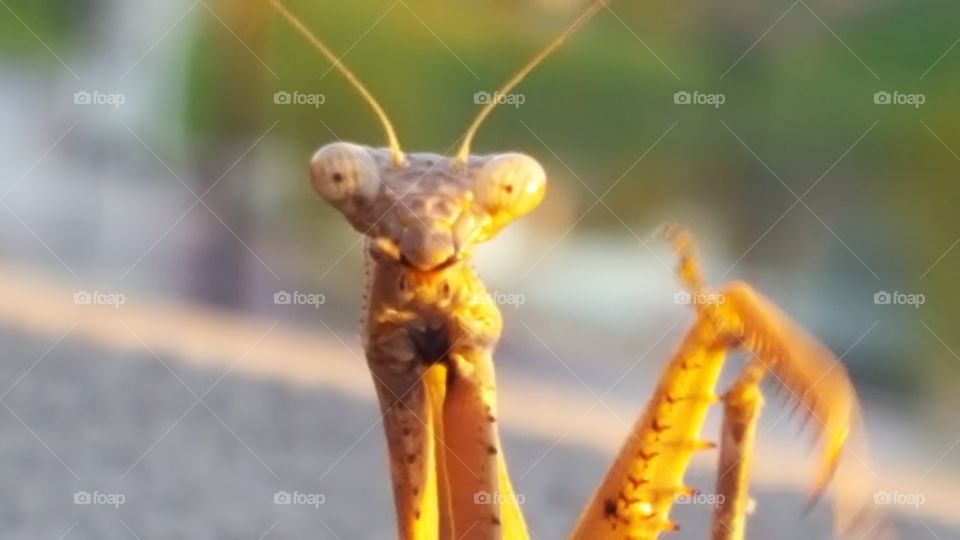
[{"x": 637, "y": 494}]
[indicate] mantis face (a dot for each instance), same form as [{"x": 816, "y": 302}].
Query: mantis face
[{"x": 428, "y": 212}]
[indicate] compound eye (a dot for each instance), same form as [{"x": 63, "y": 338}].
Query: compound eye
[
  {"x": 340, "y": 171},
  {"x": 510, "y": 185}
]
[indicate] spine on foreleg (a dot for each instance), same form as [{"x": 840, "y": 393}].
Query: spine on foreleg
[
  {"x": 635, "y": 498},
  {"x": 800, "y": 364}
]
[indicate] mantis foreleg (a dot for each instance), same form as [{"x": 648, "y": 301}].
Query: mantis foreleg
[{"x": 635, "y": 498}]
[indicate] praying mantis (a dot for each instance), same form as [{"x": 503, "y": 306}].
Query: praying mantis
[{"x": 430, "y": 330}]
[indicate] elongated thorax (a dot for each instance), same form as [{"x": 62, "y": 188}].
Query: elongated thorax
[{"x": 429, "y": 339}]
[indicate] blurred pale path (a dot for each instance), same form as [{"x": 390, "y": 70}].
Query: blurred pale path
[{"x": 199, "y": 417}]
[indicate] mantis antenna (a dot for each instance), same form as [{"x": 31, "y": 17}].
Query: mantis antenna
[
  {"x": 393, "y": 142},
  {"x": 464, "y": 152}
]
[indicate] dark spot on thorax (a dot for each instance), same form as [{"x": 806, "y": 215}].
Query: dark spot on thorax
[{"x": 432, "y": 344}]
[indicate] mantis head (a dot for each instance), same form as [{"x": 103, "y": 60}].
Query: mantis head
[{"x": 428, "y": 211}]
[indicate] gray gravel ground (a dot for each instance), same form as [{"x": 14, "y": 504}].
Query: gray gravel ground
[{"x": 85, "y": 420}]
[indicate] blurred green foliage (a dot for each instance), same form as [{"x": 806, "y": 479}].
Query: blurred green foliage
[
  {"x": 798, "y": 99},
  {"x": 23, "y": 22}
]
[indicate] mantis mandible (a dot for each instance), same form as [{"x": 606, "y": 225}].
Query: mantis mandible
[{"x": 430, "y": 330}]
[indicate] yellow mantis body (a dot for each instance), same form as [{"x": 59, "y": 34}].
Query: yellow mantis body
[{"x": 430, "y": 330}]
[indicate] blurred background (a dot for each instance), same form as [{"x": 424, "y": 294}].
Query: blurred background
[{"x": 178, "y": 314}]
